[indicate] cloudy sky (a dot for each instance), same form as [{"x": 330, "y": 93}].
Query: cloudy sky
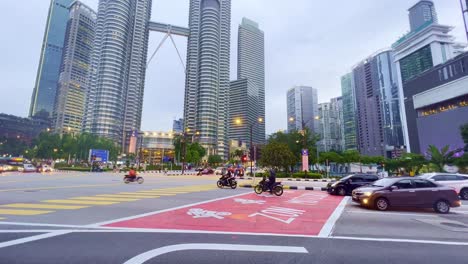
[{"x": 308, "y": 42}]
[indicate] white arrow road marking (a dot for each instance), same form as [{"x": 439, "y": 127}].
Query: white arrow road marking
[{"x": 142, "y": 258}]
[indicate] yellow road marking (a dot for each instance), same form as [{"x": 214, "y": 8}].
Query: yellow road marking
[
  {"x": 61, "y": 187},
  {"x": 105, "y": 199},
  {"x": 170, "y": 192},
  {"x": 149, "y": 193},
  {"x": 79, "y": 202},
  {"x": 33, "y": 180},
  {"x": 130, "y": 195},
  {"x": 44, "y": 206},
  {"x": 22, "y": 212}
]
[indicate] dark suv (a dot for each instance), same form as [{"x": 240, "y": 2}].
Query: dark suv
[{"x": 346, "y": 185}]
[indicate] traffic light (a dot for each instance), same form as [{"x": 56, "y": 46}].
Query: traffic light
[{"x": 244, "y": 158}]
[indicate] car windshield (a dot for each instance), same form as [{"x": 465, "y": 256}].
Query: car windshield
[
  {"x": 425, "y": 176},
  {"x": 383, "y": 183}
]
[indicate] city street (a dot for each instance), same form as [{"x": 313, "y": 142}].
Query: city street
[{"x": 96, "y": 218}]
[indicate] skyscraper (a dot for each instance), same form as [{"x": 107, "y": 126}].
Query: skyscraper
[
  {"x": 207, "y": 82},
  {"x": 331, "y": 125},
  {"x": 115, "y": 98},
  {"x": 349, "y": 112},
  {"x": 43, "y": 97},
  {"x": 251, "y": 65},
  {"x": 243, "y": 112},
  {"x": 422, "y": 13},
  {"x": 426, "y": 46},
  {"x": 464, "y": 5},
  {"x": 378, "y": 113},
  {"x": 74, "y": 71},
  {"x": 178, "y": 125},
  {"x": 302, "y": 107}
]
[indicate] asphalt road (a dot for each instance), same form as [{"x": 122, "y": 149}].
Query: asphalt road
[{"x": 63, "y": 218}]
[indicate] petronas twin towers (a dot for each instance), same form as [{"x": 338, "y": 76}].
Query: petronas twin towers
[{"x": 115, "y": 98}]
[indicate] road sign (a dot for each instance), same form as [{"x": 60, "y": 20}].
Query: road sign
[
  {"x": 305, "y": 152},
  {"x": 100, "y": 155}
]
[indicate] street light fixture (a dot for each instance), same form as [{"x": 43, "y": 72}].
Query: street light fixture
[{"x": 260, "y": 120}]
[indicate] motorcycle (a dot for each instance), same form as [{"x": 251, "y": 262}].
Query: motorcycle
[
  {"x": 230, "y": 182},
  {"x": 262, "y": 186},
  {"x": 138, "y": 179}
]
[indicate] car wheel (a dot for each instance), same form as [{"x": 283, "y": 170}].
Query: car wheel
[
  {"x": 442, "y": 207},
  {"x": 464, "y": 194},
  {"x": 382, "y": 204},
  {"x": 341, "y": 191}
]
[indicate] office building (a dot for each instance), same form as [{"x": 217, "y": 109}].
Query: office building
[
  {"x": 331, "y": 125},
  {"x": 251, "y": 64},
  {"x": 378, "y": 117},
  {"x": 421, "y": 49},
  {"x": 464, "y": 5},
  {"x": 157, "y": 147},
  {"x": 45, "y": 88},
  {"x": 244, "y": 113},
  {"x": 115, "y": 98},
  {"x": 207, "y": 81},
  {"x": 23, "y": 129},
  {"x": 421, "y": 14},
  {"x": 349, "y": 112},
  {"x": 74, "y": 70},
  {"x": 302, "y": 108},
  {"x": 437, "y": 105},
  {"x": 178, "y": 125}
]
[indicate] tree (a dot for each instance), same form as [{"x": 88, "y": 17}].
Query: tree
[
  {"x": 194, "y": 153},
  {"x": 277, "y": 155},
  {"x": 330, "y": 157},
  {"x": 214, "y": 160},
  {"x": 296, "y": 141},
  {"x": 237, "y": 154},
  {"x": 464, "y": 134},
  {"x": 440, "y": 157}
]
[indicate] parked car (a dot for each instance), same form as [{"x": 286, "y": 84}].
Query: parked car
[
  {"x": 45, "y": 168},
  {"x": 457, "y": 181},
  {"x": 28, "y": 168},
  {"x": 411, "y": 192},
  {"x": 346, "y": 185}
]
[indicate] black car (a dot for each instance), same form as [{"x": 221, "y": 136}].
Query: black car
[{"x": 346, "y": 185}]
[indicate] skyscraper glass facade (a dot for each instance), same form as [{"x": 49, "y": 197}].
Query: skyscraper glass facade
[
  {"x": 115, "y": 98},
  {"x": 251, "y": 65},
  {"x": 207, "y": 82},
  {"x": 74, "y": 71},
  {"x": 415, "y": 63},
  {"x": 45, "y": 88},
  {"x": 422, "y": 13},
  {"x": 349, "y": 112},
  {"x": 302, "y": 108}
]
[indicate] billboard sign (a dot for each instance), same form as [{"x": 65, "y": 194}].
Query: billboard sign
[{"x": 99, "y": 155}]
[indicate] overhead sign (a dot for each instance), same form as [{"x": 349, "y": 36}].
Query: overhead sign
[{"x": 100, "y": 155}]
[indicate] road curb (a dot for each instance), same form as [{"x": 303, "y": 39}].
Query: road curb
[
  {"x": 311, "y": 180},
  {"x": 286, "y": 187}
]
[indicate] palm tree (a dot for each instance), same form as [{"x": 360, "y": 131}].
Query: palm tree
[{"x": 441, "y": 157}]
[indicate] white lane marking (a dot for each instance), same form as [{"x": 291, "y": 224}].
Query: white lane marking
[
  {"x": 330, "y": 224},
  {"x": 437, "y": 242},
  {"x": 162, "y": 211},
  {"x": 142, "y": 258},
  {"x": 44, "y": 225},
  {"x": 396, "y": 213},
  {"x": 32, "y": 238}
]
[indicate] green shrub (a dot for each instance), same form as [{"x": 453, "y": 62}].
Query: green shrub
[{"x": 309, "y": 175}]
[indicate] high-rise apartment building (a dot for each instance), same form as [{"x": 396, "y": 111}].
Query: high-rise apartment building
[
  {"x": 207, "y": 82},
  {"x": 331, "y": 125},
  {"x": 73, "y": 81},
  {"x": 421, "y": 14},
  {"x": 349, "y": 112},
  {"x": 464, "y": 5},
  {"x": 178, "y": 125},
  {"x": 45, "y": 88},
  {"x": 115, "y": 98},
  {"x": 379, "y": 128},
  {"x": 251, "y": 65},
  {"x": 426, "y": 46},
  {"x": 302, "y": 108},
  {"x": 244, "y": 113}
]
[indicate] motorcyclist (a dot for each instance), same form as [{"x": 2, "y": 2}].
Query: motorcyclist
[
  {"x": 271, "y": 179},
  {"x": 132, "y": 173},
  {"x": 228, "y": 175}
]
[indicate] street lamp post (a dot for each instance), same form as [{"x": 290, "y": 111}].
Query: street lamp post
[{"x": 251, "y": 150}]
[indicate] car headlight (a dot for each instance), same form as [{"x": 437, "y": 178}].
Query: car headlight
[
  {"x": 367, "y": 193},
  {"x": 334, "y": 184}
]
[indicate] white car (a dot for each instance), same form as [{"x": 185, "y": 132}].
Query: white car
[
  {"x": 28, "y": 168},
  {"x": 219, "y": 171},
  {"x": 457, "y": 181}
]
